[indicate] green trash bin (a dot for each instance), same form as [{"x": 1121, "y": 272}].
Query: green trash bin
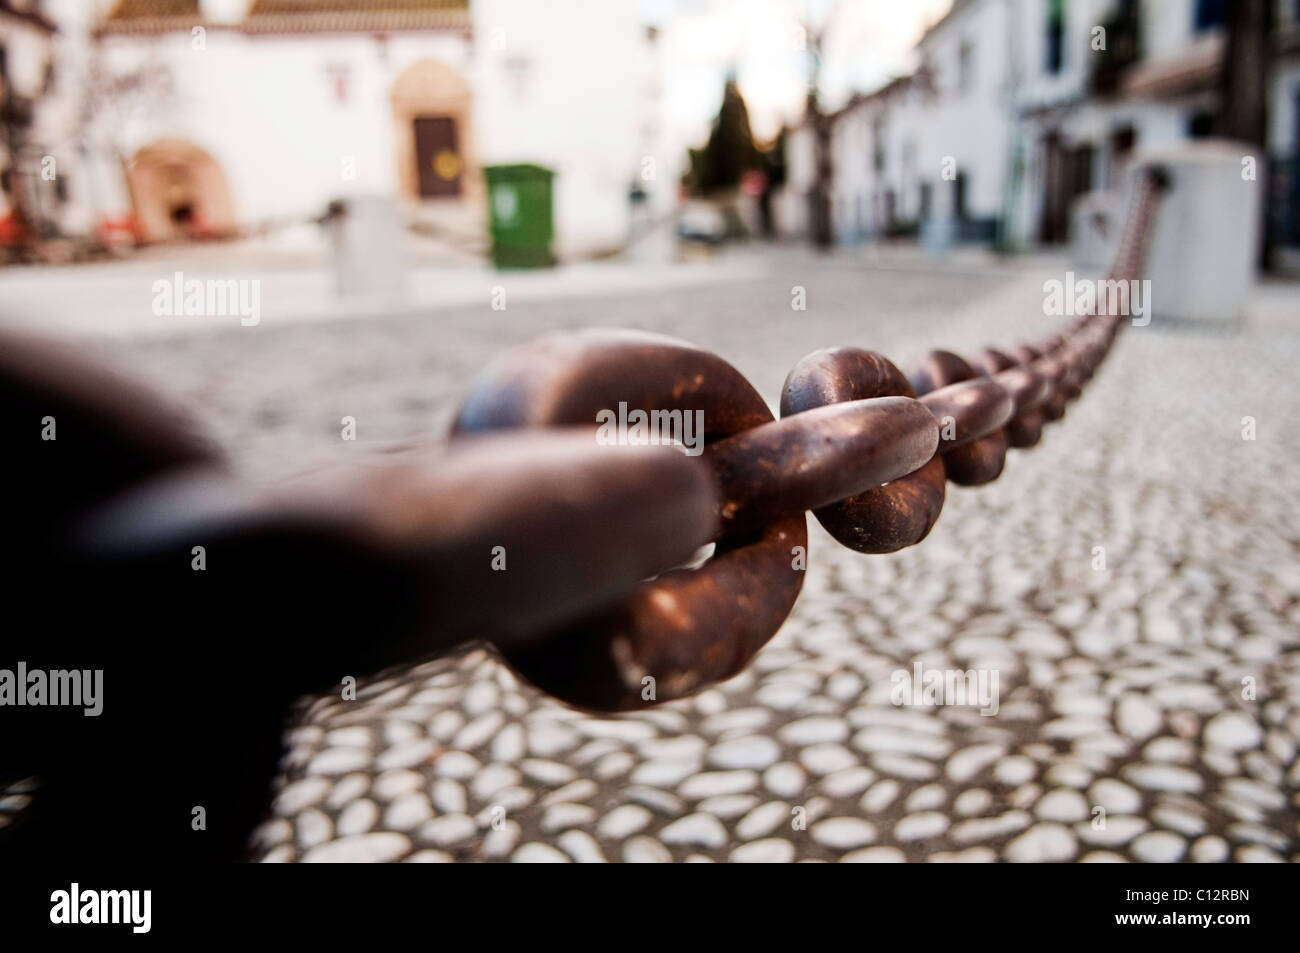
[{"x": 519, "y": 215}]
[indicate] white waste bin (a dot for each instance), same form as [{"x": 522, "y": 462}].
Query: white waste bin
[
  {"x": 1201, "y": 260},
  {"x": 367, "y": 240}
]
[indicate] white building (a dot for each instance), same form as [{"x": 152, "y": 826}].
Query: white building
[
  {"x": 1018, "y": 107},
  {"x": 218, "y": 116}
]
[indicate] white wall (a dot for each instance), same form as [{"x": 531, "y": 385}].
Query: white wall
[
  {"x": 581, "y": 96},
  {"x": 266, "y": 109}
]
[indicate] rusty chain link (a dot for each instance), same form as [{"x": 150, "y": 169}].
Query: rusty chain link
[{"x": 599, "y": 598}]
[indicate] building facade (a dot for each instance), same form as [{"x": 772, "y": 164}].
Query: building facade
[
  {"x": 1017, "y": 108},
  {"x": 214, "y": 117}
]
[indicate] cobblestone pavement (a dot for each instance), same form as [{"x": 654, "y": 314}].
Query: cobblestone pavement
[{"x": 1149, "y": 710}]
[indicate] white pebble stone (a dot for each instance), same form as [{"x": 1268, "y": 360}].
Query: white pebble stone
[
  {"x": 448, "y": 829},
  {"x": 1103, "y": 857},
  {"x": 1015, "y": 770},
  {"x": 1210, "y": 849},
  {"x": 358, "y": 817},
  {"x": 699, "y": 829},
  {"x": 843, "y": 833},
  {"x": 972, "y": 802},
  {"x": 348, "y": 788},
  {"x": 559, "y": 817},
  {"x": 844, "y": 686},
  {"x": 445, "y": 725},
  {"x": 581, "y": 846},
  {"x": 619, "y": 729},
  {"x": 754, "y": 751},
  {"x": 971, "y": 855},
  {"x": 1062, "y": 804},
  {"x": 903, "y": 766},
  {"x": 646, "y": 850},
  {"x": 1137, "y": 717},
  {"x": 763, "y": 820},
  {"x": 354, "y": 736},
  {"x": 1233, "y": 730},
  {"x": 875, "y": 855},
  {"x": 785, "y": 779},
  {"x": 510, "y": 744},
  {"x": 299, "y": 795},
  {"x": 549, "y": 738},
  {"x": 715, "y": 783},
  {"x": 926, "y": 798},
  {"x": 880, "y": 795},
  {"x": 1068, "y": 774},
  {"x": 661, "y": 802},
  {"x": 1159, "y": 847},
  {"x": 314, "y": 827},
  {"x": 430, "y": 857},
  {"x": 624, "y": 821},
  {"x": 479, "y": 731},
  {"x": 535, "y": 853},
  {"x": 491, "y": 779},
  {"x": 771, "y": 850},
  {"x": 728, "y": 806},
  {"x": 968, "y": 762},
  {"x": 1163, "y": 777},
  {"x": 741, "y": 719},
  {"x": 339, "y": 761},
  {"x": 922, "y": 826},
  {"x": 849, "y": 782},
  {"x": 456, "y": 764},
  {"x": 407, "y": 812},
  {"x": 1169, "y": 748},
  {"x": 815, "y": 730},
  {"x": 582, "y": 789},
  {"x": 407, "y": 754},
  {"x": 449, "y": 796},
  {"x": 1184, "y": 822},
  {"x": 614, "y": 764},
  {"x": 1112, "y": 830},
  {"x": 1115, "y": 796},
  {"x": 393, "y": 784},
  {"x": 1258, "y": 854},
  {"x": 480, "y": 697},
  {"x": 375, "y": 848},
  {"x": 549, "y": 773},
  {"x": 827, "y": 758},
  {"x": 1043, "y": 843},
  {"x": 500, "y": 840},
  {"x": 665, "y": 772}
]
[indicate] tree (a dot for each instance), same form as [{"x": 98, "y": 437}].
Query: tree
[{"x": 730, "y": 151}]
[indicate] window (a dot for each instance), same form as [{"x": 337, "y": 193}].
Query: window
[
  {"x": 1200, "y": 124},
  {"x": 1055, "y": 36},
  {"x": 1208, "y": 14}
]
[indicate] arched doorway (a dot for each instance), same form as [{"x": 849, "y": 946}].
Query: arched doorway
[
  {"x": 434, "y": 141},
  {"x": 179, "y": 192}
]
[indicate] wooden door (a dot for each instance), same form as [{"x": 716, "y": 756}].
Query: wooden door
[{"x": 437, "y": 156}]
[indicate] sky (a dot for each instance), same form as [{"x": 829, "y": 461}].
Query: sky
[{"x": 868, "y": 43}]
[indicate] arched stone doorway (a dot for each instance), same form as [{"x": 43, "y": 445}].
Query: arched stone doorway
[
  {"x": 179, "y": 192},
  {"x": 432, "y": 133}
]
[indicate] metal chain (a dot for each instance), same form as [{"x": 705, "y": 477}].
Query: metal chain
[{"x": 570, "y": 556}]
